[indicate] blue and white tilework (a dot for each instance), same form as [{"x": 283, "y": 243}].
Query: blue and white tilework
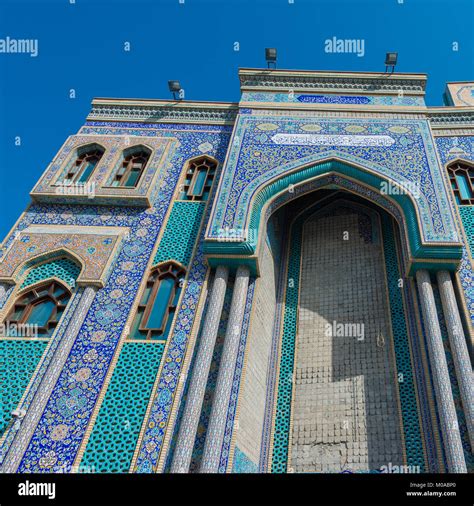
[
  {"x": 72, "y": 401},
  {"x": 449, "y": 149},
  {"x": 266, "y": 147},
  {"x": 312, "y": 98}
]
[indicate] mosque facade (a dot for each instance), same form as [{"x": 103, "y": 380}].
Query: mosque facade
[{"x": 279, "y": 285}]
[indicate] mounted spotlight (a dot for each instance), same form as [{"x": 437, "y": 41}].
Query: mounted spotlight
[
  {"x": 390, "y": 61},
  {"x": 174, "y": 87},
  {"x": 271, "y": 56}
]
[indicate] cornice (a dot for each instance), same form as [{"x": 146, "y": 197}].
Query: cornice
[
  {"x": 387, "y": 113},
  {"x": 453, "y": 132},
  {"x": 162, "y": 111},
  {"x": 455, "y": 117},
  {"x": 333, "y": 82},
  {"x": 217, "y": 113}
]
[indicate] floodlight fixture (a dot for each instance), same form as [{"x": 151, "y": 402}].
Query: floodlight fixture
[
  {"x": 390, "y": 61},
  {"x": 271, "y": 56},
  {"x": 174, "y": 87}
]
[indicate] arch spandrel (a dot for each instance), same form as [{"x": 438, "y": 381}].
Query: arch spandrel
[
  {"x": 372, "y": 153},
  {"x": 93, "y": 250}
]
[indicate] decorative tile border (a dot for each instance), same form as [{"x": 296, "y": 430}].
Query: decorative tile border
[
  {"x": 310, "y": 98},
  {"x": 116, "y": 430},
  {"x": 93, "y": 251},
  {"x": 254, "y": 160},
  {"x": 46, "y": 190}
]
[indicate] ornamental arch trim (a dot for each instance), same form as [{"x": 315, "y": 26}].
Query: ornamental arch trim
[
  {"x": 94, "y": 250},
  {"x": 262, "y": 193},
  {"x": 22, "y": 270}
]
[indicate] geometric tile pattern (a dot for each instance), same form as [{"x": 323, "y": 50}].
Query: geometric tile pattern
[
  {"x": 411, "y": 430},
  {"x": 282, "y": 414},
  {"x": 108, "y": 314},
  {"x": 18, "y": 361},
  {"x": 405, "y": 375},
  {"x": 116, "y": 430},
  {"x": 180, "y": 233},
  {"x": 63, "y": 268},
  {"x": 467, "y": 216}
]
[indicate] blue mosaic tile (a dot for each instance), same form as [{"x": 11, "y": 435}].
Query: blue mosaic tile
[
  {"x": 116, "y": 430},
  {"x": 242, "y": 464},
  {"x": 18, "y": 360},
  {"x": 107, "y": 316},
  {"x": 62, "y": 268}
]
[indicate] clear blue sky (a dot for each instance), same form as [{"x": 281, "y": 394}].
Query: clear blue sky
[{"x": 81, "y": 46}]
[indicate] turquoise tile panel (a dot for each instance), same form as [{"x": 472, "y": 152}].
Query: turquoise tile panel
[
  {"x": 181, "y": 231},
  {"x": 18, "y": 361},
  {"x": 116, "y": 430}
]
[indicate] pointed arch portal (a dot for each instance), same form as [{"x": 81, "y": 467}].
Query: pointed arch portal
[
  {"x": 421, "y": 244},
  {"x": 342, "y": 329}
]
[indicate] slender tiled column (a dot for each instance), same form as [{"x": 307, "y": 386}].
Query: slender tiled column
[
  {"x": 217, "y": 421},
  {"x": 457, "y": 341},
  {"x": 439, "y": 367},
  {"x": 50, "y": 378},
  {"x": 197, "y": 388}
]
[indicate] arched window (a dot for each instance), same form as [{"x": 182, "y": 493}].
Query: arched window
[
  {"x": 131, "y": 167},
  {"x": 198, "y": 180},
  {"x": 41, "y": 306},
  {"x": 158, "y": 302},
  {"x": 461, "y": 177},
  {"x": 86, "y": 161}
]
